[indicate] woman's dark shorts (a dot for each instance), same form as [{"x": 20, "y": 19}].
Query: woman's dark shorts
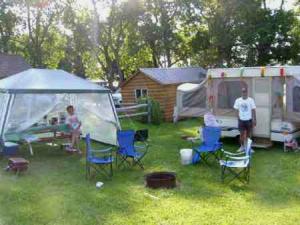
[{"x": 245, "y": 125}]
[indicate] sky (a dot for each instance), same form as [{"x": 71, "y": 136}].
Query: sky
[{"x": 273, "y": 4}]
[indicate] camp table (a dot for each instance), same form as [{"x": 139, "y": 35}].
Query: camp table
[{"x": 40, "y": 133}]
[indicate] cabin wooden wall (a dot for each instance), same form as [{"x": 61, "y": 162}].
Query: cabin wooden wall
[{"x": 164, "y": 94}]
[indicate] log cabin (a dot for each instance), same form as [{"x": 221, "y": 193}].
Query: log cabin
[{"x": 160, "y": 84}]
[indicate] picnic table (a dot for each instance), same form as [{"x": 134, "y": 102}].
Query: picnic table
[{"x": 39, "y": 133}]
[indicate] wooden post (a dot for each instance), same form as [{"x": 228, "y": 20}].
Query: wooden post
[{"x": 149, "y": 110}]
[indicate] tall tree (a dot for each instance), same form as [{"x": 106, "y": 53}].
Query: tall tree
[
  {"x": 76, "y": 24},
  {"x": 158, "y": 27},
  {"x": 8, "y": 22},
  {"x": 41, "y": 21},
  {"x": 235, "y": 33},
  {"x": 109, "y": 39}
]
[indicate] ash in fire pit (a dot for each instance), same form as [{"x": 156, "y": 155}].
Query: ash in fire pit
[{"x": 161, "y": 180}]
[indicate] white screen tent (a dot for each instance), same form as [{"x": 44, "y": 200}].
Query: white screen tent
[{"x": 25, "y": 98}]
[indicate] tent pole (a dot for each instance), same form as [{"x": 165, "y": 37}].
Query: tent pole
[
  {"x": 8, "y": 106},
  {"x": 114, "y": 111}
]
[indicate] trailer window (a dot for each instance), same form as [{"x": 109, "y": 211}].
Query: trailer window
[
  {"x": 296, "y": 99},
  {"x": 228, "y": 92}
]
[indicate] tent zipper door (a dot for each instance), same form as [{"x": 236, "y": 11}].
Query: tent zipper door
[{"x": 262, "y": 97}]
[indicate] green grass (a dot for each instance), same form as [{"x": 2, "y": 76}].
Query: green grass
[{"x": 54, "y": 189}]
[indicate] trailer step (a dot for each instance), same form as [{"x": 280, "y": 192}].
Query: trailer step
[{"x": 262, "y": 143}]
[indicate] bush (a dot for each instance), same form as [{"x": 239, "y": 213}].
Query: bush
[{"x": 156, "y": 112}]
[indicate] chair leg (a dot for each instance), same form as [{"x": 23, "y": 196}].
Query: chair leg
[
  {"x": 222, "y": 173},
  {"x": 217, "y": 155},
  {"x": 205, "y": 159},
  {"x": 103, "y": 170},
  {"x": 116, "y": 159},
  {"x": 139, "y": 163},
  {"x": 88, "y": 171},
  {"x": 241, "y": 175},
  {"x": 248, "y": 175},
  {"x": 123, "y": 160},
  {"x": 111, "y": 169}
]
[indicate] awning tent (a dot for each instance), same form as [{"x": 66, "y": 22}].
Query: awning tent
[
  {"x": 190, "y": 100},
  {"x": 25, "y": 98}
]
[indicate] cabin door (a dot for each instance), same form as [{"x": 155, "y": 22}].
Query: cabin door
[{"x": 262, "y": 97}]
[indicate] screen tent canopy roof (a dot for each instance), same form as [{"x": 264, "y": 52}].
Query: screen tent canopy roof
[{"x": 48, "y": 81}]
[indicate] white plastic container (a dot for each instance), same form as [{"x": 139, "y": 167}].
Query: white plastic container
[
  {"x": 99, "y": 184},
  {"x": 186, "y": 156}
]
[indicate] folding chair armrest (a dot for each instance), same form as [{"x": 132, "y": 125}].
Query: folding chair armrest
[
  {"x": 105, "y": 150},
  {"x": 194, "y": 139},
  {"x": 145, "y": 146},
  {"x": 232, "y": 153},
  {"x": 238, "y": 158},
  {"x": 139, "y": 146}
]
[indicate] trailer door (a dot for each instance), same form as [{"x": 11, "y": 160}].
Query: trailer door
[{"x": 262, "y": 97}]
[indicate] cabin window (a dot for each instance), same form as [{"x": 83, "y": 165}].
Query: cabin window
[
  {"x": 141, "y": 93},
  {"x": 296, "y": 99},
  {"x": 228, "y": 92}
]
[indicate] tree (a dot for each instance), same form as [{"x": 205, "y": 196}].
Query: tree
[
  {"x": 8, "y": 22},
  {"x": 157, "y": 25},
  {"x": 76, "y": 25},
  {"x": 266, "y": 36},
  {"x": 41, "y": 23},
  {"x": 109, "y": 40},
  {"x": 243, "y": 33}
]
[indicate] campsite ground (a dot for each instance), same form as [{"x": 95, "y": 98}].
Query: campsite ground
[{"x": 54, "y": 190}]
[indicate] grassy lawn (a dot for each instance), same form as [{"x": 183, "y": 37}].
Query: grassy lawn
[{"x": 54, "y": 189}]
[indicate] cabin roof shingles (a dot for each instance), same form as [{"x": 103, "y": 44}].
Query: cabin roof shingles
[
  {"x": 175, "y": 75},
  {"x": 11, "y": 64}
]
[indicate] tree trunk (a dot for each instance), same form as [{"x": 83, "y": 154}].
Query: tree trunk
[{"x": 169, "y": 60}]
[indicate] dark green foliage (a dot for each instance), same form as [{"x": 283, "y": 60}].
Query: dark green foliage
[
  {"x": 134, "y": 34},
  {"x": 156, "y": 113},
  {"x": 8, "y": 22},
  {"x": 142, "y": 119}
]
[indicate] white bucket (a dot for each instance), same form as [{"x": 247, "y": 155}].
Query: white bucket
[{"x": 186, "y": 156}]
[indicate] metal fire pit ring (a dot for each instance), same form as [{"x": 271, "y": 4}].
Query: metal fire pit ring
[{"x": 161, "y": 180}]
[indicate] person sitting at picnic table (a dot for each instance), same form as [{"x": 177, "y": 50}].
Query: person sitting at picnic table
[
  {"x": 74, "y": 125},
  {"x": 246, "y": 114}
]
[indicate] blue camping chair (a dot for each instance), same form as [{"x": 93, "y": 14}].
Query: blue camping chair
[
  {"x": 210, "y": 145},
  {"x": 8, "y": 148},
  {"x": 99, "y": 160},
  {"x": 128, "y": 150},
  {"x": 237, "y": 164}
]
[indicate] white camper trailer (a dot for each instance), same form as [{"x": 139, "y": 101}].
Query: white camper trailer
[{"x": 275, "y": 90}]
